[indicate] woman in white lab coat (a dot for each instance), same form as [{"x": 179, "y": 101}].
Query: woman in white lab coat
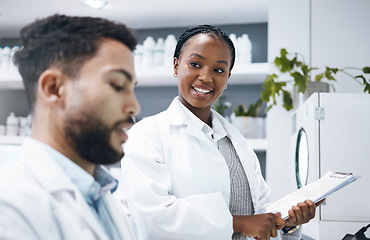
[{"x": 187, "y": 172}]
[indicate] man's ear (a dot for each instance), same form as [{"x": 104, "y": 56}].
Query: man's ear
[{"x": 51, "y": 86}]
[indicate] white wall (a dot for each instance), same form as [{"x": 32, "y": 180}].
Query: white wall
[
  {"x": 288, "y": 27},
  {"x": 341, "y": 37}
]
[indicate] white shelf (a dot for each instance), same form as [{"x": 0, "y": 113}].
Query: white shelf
[
  {"x": 258, "y": 144},
  {"x": 254, "y": 73},
  {"x": 14, "y": 140},
  {"x": 11, "y": 82}
]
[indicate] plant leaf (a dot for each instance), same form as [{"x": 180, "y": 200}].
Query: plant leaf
[
  {"x": 254, "y": 108},
  {"x": 240, "y": 110},
  {"x": 319, "y": 77},
  {"x": 367, "y": 88},
  {"x": 366, "y": 69},
  {"x": 283, "y": 63},
  {"x": 220, "y": 105},
  {"x": 268, "y": 108},
  {"x": 329, "y": 73},
  {"x": 367, "y": 85},
  {"x": 271, "y": 88},
  {"x": 287, "y": 100},
  {"x": 300, "y": 81}
]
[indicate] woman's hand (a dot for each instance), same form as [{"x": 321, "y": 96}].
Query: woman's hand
[
  {"x": 260, "y": 226},
  {"x": 302, "y": 213}
]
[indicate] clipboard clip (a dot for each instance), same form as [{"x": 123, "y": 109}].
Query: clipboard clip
[{"x": 340, "y": 175}]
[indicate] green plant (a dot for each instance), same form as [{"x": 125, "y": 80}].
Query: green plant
[
  {"x": 301, "y": 74},
  {"x": 221, "y": 105},
  {"x": 252, "y": 111}
]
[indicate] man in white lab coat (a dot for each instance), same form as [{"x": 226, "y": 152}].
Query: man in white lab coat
[{"x": 79, "y": 77}]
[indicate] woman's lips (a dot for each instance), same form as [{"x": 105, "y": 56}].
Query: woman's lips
[{"x": 202, "y": 89}]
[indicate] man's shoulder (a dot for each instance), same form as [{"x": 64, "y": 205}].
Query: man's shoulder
[{"x": 17, "y": 180}]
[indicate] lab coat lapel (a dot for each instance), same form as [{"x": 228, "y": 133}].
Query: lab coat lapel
[
  {"x": 240, "y": 144},
  {"x": 118, "y": 216},
  {"x": 178, "y": 119},
  {"x": 53, "y": 179}
]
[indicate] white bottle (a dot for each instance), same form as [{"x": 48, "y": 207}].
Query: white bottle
[
  {"x": 5, "y": 60},
  {"x": 169, "y": 49},
  {"x": 159, "y": 53},
  {"x": 234, "y": 39},
  {"x": 29, "y": 120},
  {"x": 148, "y": 54},
  {"x": 23, "y": 126},
  {"x": 2, "y": 130},
  {"x": 13, "y": 70},
  {"x": 138, "y": 55},
  {"x": 12, "y": 125},
  {"x": 245, "y": 46}
]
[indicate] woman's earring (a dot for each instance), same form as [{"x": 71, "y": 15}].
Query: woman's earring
[
  {"x": 175, "y": 75},
  {"x": 225, "y": 87}
]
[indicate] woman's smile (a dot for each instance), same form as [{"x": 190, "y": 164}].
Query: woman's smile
[{"x": 203, "y": 90}]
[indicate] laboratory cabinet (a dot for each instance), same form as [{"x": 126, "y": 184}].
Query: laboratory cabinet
[{"x": 330, "y": 132}]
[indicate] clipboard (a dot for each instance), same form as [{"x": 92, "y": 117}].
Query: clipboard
[{"x": 315, "y": 191}]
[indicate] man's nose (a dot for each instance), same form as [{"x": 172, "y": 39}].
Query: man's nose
[{"x": 132, "y": 106}]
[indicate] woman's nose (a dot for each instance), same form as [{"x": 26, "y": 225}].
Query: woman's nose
[{"x": 205, "y": 75}]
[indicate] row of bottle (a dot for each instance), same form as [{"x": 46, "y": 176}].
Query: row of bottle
[
  {"x": 155, "y": 54},
  {"x": 158, "y": 54},
  {"x": 7, "y": 67},
  {"x": 16, "y": 126},
  {"x": 150, "y": 54}
]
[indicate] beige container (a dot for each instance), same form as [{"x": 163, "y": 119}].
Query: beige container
[{"x": 250, "y": 127}]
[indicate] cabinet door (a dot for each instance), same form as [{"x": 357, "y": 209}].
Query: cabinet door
[{"x": 344, "y": 147}]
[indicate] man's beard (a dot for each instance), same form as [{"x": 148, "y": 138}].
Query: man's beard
[{"x": 90, "y": 138}]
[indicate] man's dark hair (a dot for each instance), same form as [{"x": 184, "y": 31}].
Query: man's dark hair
[
  {"x": 66, "y": 42},
  {"x": 205, "y": 29}
]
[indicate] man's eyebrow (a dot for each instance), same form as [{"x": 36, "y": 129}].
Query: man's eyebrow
[
  {"x": 124, "y": 72},
  {"x": 200, "y": 56}
]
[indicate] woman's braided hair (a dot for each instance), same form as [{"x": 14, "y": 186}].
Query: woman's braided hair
[{"x": 204, "y": 29}]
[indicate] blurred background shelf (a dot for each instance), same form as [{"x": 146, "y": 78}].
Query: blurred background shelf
[
  {"x": 257, "y": 144},
  {"x": 254, "y": 73}
]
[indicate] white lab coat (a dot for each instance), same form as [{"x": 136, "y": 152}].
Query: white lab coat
[
  {"x": 39, "y": 201},
  {"x": 177, "y": 182}
]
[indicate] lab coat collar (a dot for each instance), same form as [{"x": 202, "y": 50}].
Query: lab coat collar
[
  {"x": 44, "y": 167},
  {"x": 177, "y": 113},
  {"x": 179, "y": 116}
]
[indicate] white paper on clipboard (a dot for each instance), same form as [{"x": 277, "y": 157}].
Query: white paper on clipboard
[{"x": 316, "y": 191}]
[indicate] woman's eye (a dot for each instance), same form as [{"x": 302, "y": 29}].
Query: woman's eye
[
  {"x": 219, "y": 70},
  {"x": 196, "y": 65}
]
